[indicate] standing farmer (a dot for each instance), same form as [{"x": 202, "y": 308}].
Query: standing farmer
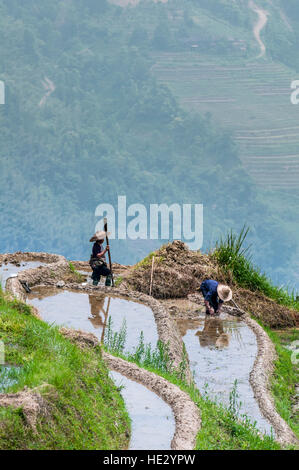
[
  {"x": 214, "y": 295},
  {"x": 98, "y": 259}
]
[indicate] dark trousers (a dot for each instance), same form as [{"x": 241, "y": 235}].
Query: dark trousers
[
  {"x": 99, "y": 271},
  {"x": 213, "y": 300}
]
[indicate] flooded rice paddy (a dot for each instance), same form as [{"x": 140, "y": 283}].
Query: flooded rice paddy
[
  {"x": 90, "y": 312},
  {"x": 153, "y": 423},
  {"x": 9, "y": 269},
  {"x": 222, "y": 352}
]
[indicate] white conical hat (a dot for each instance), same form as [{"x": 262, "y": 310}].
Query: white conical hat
[
  {"x": 100, "y": 235},
  {"x": 224, "y": 292}
]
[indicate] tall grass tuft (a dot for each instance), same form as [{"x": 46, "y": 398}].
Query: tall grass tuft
[
  {"x": 115, "y": 341},
  {"x": 236, "y": 261},
  {"x": 143, "y": 355}
]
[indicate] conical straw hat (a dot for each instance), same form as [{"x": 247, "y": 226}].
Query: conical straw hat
[
  {"x": 100, "y": 235},
  {"x": 224, "y": 292}
]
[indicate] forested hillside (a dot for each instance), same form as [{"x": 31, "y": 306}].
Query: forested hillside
[{"x": 86, "y": 120}]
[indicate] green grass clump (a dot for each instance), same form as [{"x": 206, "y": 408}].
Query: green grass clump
[
  {"x": 79, "y": 277},
  {"x": 118, "y": 281},
  {"x": 222, "y": 428},
  {"x": 147, "y": 261},
  {"x": 87, "y": 411},
  {"x": 285, "y": 376},
  {"x": 235, "y": 260}
]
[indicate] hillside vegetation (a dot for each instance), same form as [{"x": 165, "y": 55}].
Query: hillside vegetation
[{"x": 86, "y": 120}]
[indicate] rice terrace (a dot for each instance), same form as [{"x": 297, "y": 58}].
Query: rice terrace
[
  {"x": 149, "y": 251},
  {"x": 249, "y": 95}
]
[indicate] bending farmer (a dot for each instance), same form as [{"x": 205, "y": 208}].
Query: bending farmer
[
  {"x": 98, "y": 259},
  {"x": 214, "y": 295}
]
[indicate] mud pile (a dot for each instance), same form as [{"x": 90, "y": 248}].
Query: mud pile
[
  {"x": 178, "y": 272},
  {"x": 30, "y": 402},
  {"x": 265, "y": 309}
]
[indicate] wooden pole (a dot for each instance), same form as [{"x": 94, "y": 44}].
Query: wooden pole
[
  {"x": 240, "y": 310},
  {"x": 105, "y": 322},
  {"x": 152, "y": 273},
  {"x": 109, "y": 254}
]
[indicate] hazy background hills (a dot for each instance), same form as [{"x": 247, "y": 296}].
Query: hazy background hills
[{"x": 161, "y": 102}]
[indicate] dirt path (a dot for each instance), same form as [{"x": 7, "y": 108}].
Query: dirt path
[
  {"x": 50, "y": 88},
  {"x": 259, "y": 26}
]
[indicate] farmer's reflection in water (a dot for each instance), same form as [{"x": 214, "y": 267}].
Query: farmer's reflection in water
[
  {"x": 213, "y": 334},
  {"x": 98, "y": 311}
]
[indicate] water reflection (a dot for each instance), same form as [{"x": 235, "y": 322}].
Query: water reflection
[
  {"x": 97, "y": 307},
  {"x": 153, "y": 423},
  {"x": 213, "y": 334},
  {"x": 90, "y": 312}
]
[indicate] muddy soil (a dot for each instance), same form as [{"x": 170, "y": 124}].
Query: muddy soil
[
  {"x": 50, "y": 269},
  {"x": 166, "y": 326},
  {"x": 31, "y": 402},
  {"x": 175, "y": 256},
  {"x": 185, "y": 411}
]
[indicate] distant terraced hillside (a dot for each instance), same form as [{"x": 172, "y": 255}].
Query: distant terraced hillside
[
  {"x": 218, "y": 59},
  {"x": 252, "y": 99}
]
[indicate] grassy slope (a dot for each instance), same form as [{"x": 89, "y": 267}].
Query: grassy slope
[
  {"x": 88, "y": 411},
  {"x": 285, "y": 377}
]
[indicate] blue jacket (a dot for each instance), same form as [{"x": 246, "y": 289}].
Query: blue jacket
[{"x": 209, "y": 291}]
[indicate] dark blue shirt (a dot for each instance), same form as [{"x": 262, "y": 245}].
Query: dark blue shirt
[
  {"x": 209, "y": 291},
  {"x": 96, "y": 249}
]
